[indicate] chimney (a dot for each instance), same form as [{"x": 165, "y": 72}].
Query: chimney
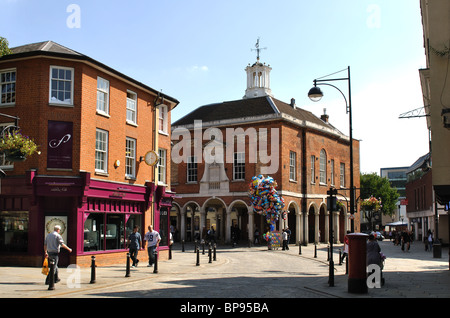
[
  {"x": 293, "y": 102},
  {"x": 325, "y": 117}
]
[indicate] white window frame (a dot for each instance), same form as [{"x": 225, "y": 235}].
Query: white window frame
[
  {"x": 4, "y": 86},
  {"x": 323, "y": 167},
  {"x": 239, "y": 166},
  {"x": 342, "y": 175},
  {"x": 192, "y": 169},
  {"x": 163, "y": 114},
  {"x": 292, "y": 166},
  {"x": 162, "y": 166},
  {"x": 57, "y": 101},
  {"x": 313, "y": 176},
  {"x": 130, "y": 158},
  {"x": 332, "y": 171},
  {"x": 101, "y": 153},
  {"x": 132, "y": 111},
  {"x": 102, "y": 91}
]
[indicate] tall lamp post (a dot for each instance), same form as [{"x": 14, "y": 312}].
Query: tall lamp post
[{"x": 315, "y": 94}]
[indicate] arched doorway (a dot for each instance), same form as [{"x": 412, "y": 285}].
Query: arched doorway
[
  {"x": 190, "y": 228},
  {"x": 215, "y": 217},
  {"x": 323, "y": 235},
  {"x": 238, "y": 222},
  {"x": 312, "y": 224},
  {"x": 292, "y": 222}
]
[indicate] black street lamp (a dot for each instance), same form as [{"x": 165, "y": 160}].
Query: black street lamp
[{"x": 316, "y": 94}]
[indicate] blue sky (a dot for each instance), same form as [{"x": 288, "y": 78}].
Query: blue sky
[{"x": 197, "y": 50}]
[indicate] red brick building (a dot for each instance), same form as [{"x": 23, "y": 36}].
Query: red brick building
[
  {"x": 218, "y": 148},
  {"x": 94, "y": 127}
]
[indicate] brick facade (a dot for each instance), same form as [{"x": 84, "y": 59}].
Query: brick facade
[
  {"x": 33, "y": 106},
  {"x": 305, "y": 199}
]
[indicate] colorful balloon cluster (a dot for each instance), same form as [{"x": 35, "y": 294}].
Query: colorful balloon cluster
[{"x": 266, "y": 201}]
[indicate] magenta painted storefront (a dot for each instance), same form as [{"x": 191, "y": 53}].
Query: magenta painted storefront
[{"x": 97, "y": 217}]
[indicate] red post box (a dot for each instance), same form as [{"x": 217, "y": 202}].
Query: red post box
[{"x": 357, "y": 263}]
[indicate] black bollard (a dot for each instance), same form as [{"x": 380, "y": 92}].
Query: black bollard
[
  {"x": 127, "y": 274},
  {"x": 340, "y": 257},
  {"x": 210, "y": 254},
  {"x": 203, "y": 247},
  {"x": 155, "y": 268},
  {"x": 315, "y": 250},
  {"x": 214, "y": 257},
  {"x": 299, "y": 248},
  {"x": 51, "y": 278},
  {"x": 92, "y": 270},
  {"x": 195, "y": 246},
  {"x": 198, "y": 258},
  {"x": 170, "y": 251},
  {"x": 328, "y": 253},
  {"x": 182, "y": 246}
]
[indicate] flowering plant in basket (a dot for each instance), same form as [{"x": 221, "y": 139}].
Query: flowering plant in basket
[{"x": 16, "y": 146}]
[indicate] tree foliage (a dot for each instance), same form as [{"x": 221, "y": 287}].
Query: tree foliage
[
  {"x": 372, "y": 185},
  {"x": 4, "y": 47}
]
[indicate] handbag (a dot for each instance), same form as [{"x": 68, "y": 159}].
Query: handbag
[{"x": 45, "y": 269}]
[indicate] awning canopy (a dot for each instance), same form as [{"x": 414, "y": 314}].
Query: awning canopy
[{"x": 398, "y": 223}]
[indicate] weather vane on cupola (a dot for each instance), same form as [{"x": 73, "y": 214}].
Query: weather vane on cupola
[{"x": 258, "y": 49}]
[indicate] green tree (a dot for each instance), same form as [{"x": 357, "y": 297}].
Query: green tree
[
  {"x": 378, "y": 187},
  {"x": 4, "y": 47}
]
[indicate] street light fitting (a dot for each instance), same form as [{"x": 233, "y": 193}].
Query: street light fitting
[{"x": 315, "y": 94}]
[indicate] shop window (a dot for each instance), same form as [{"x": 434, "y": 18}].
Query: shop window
[
  {"x": 107, "y": 231},
  {"x": 14, "y": 231}
]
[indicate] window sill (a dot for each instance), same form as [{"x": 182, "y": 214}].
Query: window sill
[
  {"x": 101, "y": 173},
  {"x": 103, "y": 114},
  {"x": 131, "y": 123},
  {"x": 60, "y": 105}
]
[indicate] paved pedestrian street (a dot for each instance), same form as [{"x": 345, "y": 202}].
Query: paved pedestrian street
[{"x": 240, "y": 273}]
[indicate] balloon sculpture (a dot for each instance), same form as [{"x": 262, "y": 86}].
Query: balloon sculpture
[{"x": 266, "y": 201}]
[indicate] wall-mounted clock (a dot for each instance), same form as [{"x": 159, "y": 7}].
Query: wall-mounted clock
[{"x": 151, "y": 158}]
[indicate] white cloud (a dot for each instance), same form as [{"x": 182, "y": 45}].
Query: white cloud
[{"x": 197, "y": 68}]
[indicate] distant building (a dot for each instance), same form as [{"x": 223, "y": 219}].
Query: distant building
[
  {"x": 260, "y": 134},
  {"x": 397, "y": 178},
  {"x": 420, "y": 207}
]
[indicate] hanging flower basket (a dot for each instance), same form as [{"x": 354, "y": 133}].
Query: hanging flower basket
[
  {"x": 17, "y": 147},
  {"x": 371, "y": 204},
  {"x": 14, "y": 156}
]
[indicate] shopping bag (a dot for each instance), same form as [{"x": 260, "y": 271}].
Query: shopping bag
[{"x": 45, "y": 269}]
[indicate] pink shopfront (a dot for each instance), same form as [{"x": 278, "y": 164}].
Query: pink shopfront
[{"x": 96, "y": 217}]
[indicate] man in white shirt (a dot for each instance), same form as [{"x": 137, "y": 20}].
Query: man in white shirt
[{"x": 152, "y": 238}]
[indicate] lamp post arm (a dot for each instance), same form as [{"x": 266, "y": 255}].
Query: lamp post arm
[{"x": 346, "y": 103}]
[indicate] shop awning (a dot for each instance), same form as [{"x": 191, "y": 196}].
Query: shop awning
[{"x": 398, "y": 223}]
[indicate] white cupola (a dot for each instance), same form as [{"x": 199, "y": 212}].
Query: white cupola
[{"x": 258, "y": 78}]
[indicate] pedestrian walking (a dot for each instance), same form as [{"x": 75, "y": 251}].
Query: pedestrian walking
[
  {"x": 289, "y": 235},
  {"x": 430, "y": 240},
  {"x": 152, "y": 238},
  {"x": 212, "y": 235},
  {"x": 285, "y": 240},
  {"x": 256, "y": 236},
  {"x": 134, "y": 244},
  {"x": 52, "y": 246},
  {"x": 345, "y": 252}
]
